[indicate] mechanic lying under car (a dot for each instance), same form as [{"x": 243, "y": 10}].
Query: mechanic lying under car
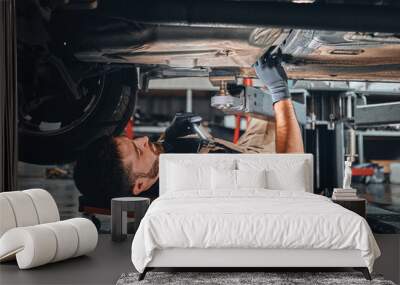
[{"x": 118, "y": 166}]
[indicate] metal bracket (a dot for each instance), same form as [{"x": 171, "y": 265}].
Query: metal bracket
[
  {"x": 377, "y": 114},
  {"x": 258, "y": 103}
]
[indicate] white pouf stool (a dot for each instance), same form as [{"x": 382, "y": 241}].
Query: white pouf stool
[{"x": 31, "y": 233}]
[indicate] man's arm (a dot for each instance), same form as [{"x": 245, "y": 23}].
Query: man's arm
[{"x": 287, "y": 131}]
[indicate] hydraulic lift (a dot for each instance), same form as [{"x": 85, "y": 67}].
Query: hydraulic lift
[{"x": 330, "y": 115}]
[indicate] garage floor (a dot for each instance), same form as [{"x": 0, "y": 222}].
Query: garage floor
[{"x": 383, "y": 208}]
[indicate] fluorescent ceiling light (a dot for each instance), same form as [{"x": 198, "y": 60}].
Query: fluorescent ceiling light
[{"x": 303, "y": 1}]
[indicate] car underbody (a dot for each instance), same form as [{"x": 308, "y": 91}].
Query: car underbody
[
  {"x": 308, "y": 54},
  {"x": 330, "y": 40},
  {"x": 201, "y": 38},
  {"x": 93, "y": 47}
]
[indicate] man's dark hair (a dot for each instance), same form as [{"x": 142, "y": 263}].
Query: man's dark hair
[{"x": 99, "y": 173}]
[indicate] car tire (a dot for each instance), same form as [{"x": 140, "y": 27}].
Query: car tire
[{"x": 114, "y": 108}]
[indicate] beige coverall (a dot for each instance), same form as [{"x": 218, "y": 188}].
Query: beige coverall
[{"x": 259, "y": 137}]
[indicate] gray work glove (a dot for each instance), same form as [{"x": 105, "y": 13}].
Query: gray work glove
[{"x": 270, "y": 71}]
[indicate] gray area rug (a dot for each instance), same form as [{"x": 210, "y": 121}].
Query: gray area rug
[{"x": 273, "y": 278}]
